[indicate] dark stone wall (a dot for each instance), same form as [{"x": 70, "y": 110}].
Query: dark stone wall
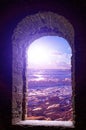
[{"x": 12, "y": 12}]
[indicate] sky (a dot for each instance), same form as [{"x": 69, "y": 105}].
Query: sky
[{"x": 49, "y": 52}]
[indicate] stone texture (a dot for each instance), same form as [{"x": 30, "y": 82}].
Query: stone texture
[{"x": 28, "y": 30}]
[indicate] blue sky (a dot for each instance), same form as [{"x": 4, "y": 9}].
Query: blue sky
[{"x": 49, "y": 52}]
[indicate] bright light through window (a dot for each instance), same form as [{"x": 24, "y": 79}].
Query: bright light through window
[
  {"x": 38, "y": 55},
  {"x": 49, "y": 80},
  {"x": 50, "y": 53}
]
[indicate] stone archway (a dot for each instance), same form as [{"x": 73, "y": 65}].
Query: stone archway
[{"x": 28, "y": 30}]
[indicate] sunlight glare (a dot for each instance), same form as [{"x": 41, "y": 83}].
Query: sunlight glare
[
  {"x": 38, "y": 55},
  {"x": 49, "y": 53}
]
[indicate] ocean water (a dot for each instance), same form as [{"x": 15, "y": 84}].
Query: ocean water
[
  {"x": 49, "y": 77},
  {"x": 49, "y": 95}
]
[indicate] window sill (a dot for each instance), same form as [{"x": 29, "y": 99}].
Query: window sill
[{"x": 69, "y": 124}]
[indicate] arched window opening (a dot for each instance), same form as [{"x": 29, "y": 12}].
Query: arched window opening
[
  {"x": 55, "y": 52},
  {"x": 49, "y": 82}
]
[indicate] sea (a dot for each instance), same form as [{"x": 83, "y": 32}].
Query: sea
[
  {"x": 48, "y": 78},
  {"x": 49, "y": 95}
]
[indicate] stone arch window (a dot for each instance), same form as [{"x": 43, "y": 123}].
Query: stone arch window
[{"x": 28, "y": 30}]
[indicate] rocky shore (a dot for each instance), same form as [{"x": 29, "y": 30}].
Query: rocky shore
[{"x": 50, "y": 103}]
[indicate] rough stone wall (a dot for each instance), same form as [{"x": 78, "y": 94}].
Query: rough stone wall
[{"x": 28, "y": 30}]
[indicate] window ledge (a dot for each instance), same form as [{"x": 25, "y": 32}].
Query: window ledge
[{"x": 47, "y": 123}]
